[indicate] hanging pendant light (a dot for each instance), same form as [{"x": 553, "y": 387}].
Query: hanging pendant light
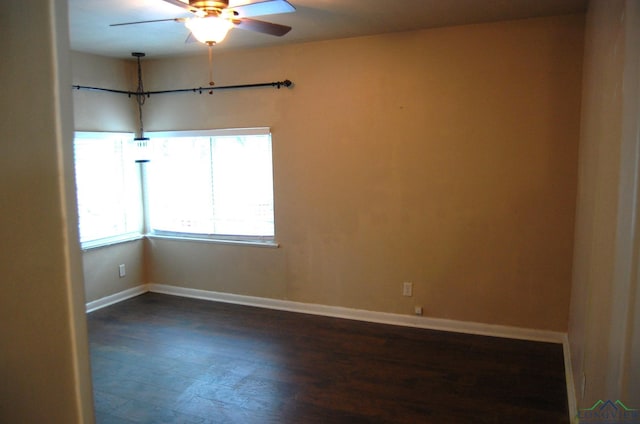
[{"x": 142, "y": 142}]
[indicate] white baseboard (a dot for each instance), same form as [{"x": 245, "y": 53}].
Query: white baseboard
[
  {"x": 117, "y": 297},
  {"x": 441, "y": 324},
  {"x": 369, "y": 316}
]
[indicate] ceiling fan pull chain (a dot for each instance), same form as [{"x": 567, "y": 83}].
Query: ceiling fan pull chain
[{"x": 211, "y": 83}]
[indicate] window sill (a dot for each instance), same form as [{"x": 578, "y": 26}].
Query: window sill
[
  {"x": 253, "y": 243},
  {"x": 106, "y": 242},
  {"x": 110, "y": 241}
]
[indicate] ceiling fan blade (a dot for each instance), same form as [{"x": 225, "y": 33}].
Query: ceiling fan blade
[
  {"x": 263, "y": 27},
  {"x": 147, "y": 22},
  {"x": 190, "y": 39},
  {"x": 268, "y": 7},
  {"x": 184, "y": 5}
]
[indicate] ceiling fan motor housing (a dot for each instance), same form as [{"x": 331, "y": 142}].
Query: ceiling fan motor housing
[{"x": 209, "y": 5}]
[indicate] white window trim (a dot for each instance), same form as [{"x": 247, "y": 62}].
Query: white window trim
[
  {"x": 231, "y": 241},
  {"x": 120, "y": 238},
  {"x": 257, "y": 241},
  {"x": 210, "y": 133},
  {"x": 96, "y": 135},
  {"x": 110, "y": 241},
  {"x": 216, "y": 239}
]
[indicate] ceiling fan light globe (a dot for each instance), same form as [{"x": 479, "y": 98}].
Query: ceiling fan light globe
[{"x": 209, "y": 30}]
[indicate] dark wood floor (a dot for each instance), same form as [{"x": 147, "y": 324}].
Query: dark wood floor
[{"x": 165, "y": 359}]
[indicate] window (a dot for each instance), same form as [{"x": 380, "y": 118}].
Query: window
[
  {"x": 211, "y": 184},
  {"x": 108, "y": 188}
]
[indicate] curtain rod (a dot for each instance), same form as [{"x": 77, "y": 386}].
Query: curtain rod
[{"x": 277, "y": 84}]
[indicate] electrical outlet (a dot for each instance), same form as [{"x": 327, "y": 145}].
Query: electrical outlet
[
  {"x": 407, "y": 289},
  {"x": 122, "y": 271},
  {"x": 418, "y": 310}
]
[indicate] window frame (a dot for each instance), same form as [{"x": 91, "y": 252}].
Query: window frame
[
  {"x": 123, "y": 237},
  {"x": 252, "y": 240}
]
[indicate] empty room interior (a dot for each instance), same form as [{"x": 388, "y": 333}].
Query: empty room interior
[{"x": 411, "y": 211}]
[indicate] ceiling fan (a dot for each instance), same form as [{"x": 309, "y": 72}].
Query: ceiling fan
[{"x": 213, "y": 19}]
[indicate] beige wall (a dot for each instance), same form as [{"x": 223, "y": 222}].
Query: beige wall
[
  {"x": 44, "y": 369},
  {"x": 102, "y": 111},
  {"x": 443, "y": 157},
  {"x": 101, "y": 269},
  {"x": 603, "y": 335}
]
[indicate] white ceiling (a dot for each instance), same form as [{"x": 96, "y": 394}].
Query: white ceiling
[{"x": 313, "y": 20}]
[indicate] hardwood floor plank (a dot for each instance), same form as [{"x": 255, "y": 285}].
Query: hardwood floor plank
[{"x": 159, "y": 358}]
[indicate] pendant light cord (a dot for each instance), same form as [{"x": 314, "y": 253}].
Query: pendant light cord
[{"x": 140, "y": 94}]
